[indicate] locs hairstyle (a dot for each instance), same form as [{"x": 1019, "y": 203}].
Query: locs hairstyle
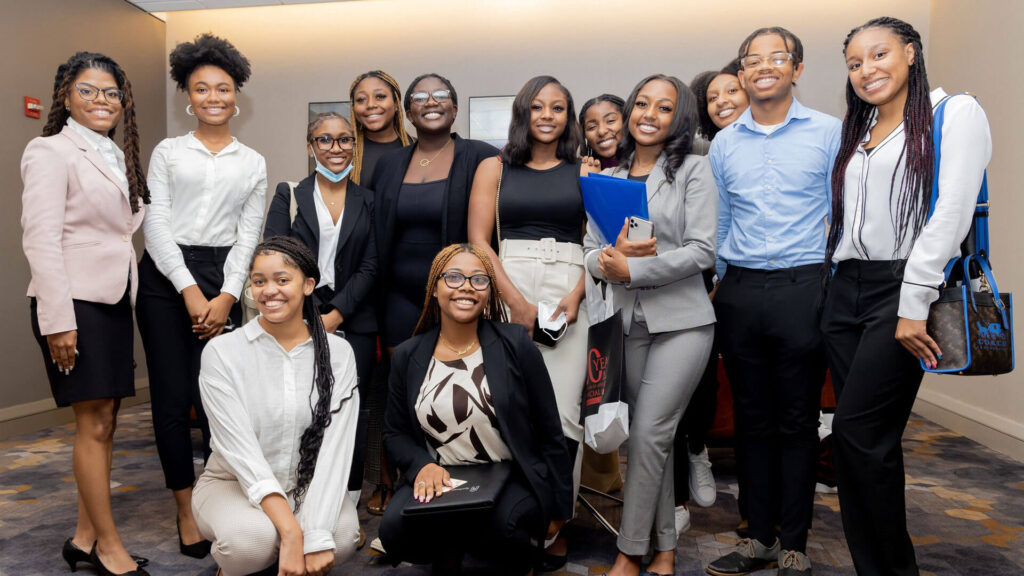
[
  {"x": 431, "y": 316},
  {"x": 407, "y": 102},
  {"x": 59, "y": 114},
  {"x": 699, "y": 85},
  {"x": 296, "y": 254},
  {"x": 518, "y": 149},
  {"x": 208, "y": 50},
  {"x": 609, "y": 98},
  {"x": 793, "y": 44},
  {"x": 918, "y": 153},
  {"x": 680, "y": 131},
  {"x": 398, "y": 122}
]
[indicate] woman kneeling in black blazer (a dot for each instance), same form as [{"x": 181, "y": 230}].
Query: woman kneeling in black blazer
[{"x": 463, "y": 391}]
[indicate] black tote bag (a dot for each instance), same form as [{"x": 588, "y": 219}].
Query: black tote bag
[{"x": 604, "y": 413}]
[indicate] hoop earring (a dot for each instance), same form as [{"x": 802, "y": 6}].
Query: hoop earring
[
  {"x": 237, "y": 111},
  {"x": 189, "y": 111}
]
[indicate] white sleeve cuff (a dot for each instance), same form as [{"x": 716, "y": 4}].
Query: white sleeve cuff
[
  {"x": 233, "y": 285},
  {"x": 317, "y": 541},
  {"x": 261, "y": 489},
  {"x": 915, "y": 301},
  {"x": 181, "y": 278}
]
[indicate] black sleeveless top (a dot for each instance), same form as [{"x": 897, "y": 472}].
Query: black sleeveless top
[{"x": 537, "y": 204}]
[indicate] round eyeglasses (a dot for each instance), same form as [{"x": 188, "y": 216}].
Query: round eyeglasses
[
  {"x": 775, "y": 60},
  {"x": 439, "y": 96},
  {"x": 454, "y": 280},
  {"x": 88, "y": 92}
]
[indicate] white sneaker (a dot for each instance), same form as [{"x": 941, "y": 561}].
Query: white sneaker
[
  {"x": 682, "y": 519},
  {"x": 702, "y": 482}
]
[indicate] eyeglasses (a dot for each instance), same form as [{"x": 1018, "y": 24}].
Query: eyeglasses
[
  {"x": 88, "y": 92},
  {"x": 439, "y": 96},
  {"x": 775, "y": 60},
  {"x": 454, "y": 280},
  {"x": 325, "y": 143}
]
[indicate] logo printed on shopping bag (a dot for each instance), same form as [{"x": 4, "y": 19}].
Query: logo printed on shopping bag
[{"x": 596, "y": 365}]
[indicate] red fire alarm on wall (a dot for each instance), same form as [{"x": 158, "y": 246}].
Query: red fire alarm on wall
[{"x": 33, "y": 109}]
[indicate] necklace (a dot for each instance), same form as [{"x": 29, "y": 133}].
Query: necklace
[
  {"x": 456, "y": 350},
  {"x": 425, "y": 162}
]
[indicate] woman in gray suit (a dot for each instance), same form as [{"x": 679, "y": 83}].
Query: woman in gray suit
[{"x": 667, "y": 316}]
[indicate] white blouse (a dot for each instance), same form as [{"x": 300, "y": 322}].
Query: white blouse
[
  {"x": 869, "y": 210},
  {"x": 204, "y": 199},
  {"x": 329, "y": 230},
  {"x": 106, "y": 148},
  {"x": 258, "y": 398}
]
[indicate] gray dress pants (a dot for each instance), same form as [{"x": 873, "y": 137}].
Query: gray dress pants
[{"x": 662, "y": 370}]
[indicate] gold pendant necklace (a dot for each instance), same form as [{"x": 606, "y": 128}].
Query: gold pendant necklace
[
  {"x": 424, "y": 162},
  {"x": 456, "y": 350}
]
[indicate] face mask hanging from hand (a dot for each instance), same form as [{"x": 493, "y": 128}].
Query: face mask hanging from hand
[{"x": 326, "y": 173}]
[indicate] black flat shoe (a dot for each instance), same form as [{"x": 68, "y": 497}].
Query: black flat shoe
[
  {"x": 196, "y": 550},
  {"x": 550, "y": 562},
  {"x": 103, "y": 571},
  {"x": 73, "y": 555}
]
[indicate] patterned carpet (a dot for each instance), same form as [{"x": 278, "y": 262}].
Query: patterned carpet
[{"x": 965, "y": 511}]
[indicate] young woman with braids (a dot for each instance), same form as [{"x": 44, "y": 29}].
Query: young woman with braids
[
  {"x": 889, "y": 258},
  {"x": 83, "y": 199},
  {"x": 208, "y": 200},
  {"x": 465, "y": 354},
  {"x": 279, "y": 382},
  {"x": 666, "y": 313},
  {"x": 378, "y": 122}
]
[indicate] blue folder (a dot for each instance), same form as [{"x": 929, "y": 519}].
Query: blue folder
[{"x": 609, "y": 201}]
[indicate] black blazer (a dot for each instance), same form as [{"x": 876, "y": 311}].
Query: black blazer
[
  {"x": 387, "y": 181},
  {"x": 524, "y": 403},
  {"x": 355, "y": 264}
]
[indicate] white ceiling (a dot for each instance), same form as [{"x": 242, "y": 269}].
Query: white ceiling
[{"x": 176, "y": 5}]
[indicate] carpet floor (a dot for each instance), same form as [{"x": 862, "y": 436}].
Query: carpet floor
[{"x": 965, "y": 511}]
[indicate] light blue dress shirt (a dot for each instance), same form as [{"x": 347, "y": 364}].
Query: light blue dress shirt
[{"x": 774, "y": 189}]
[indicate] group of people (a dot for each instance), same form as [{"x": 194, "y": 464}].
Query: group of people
[{"x": 421, "y": 264}]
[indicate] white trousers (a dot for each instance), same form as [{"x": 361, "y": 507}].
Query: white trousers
[{"x": 244, "y": 539}]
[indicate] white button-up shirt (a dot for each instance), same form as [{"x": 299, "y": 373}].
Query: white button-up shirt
[
  {"x": 106, "y": 148},
  {"x": 328, "y": 247},
  {"x": 869, "y": 210},
  {"x": 258, "y": 398},
  {"x": 204, "y": 199}
]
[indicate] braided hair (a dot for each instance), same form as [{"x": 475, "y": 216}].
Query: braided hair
[
  {"x": 680, "y": 132},
  {"x": 296, "y": 254},
  {"x": 398, "y": 122},
  {"x": 431, "y": 316},
  {"x": 59, "y": 114},
  {"x": 914, "y": 194}
]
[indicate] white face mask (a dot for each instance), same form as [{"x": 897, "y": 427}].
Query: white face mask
[{"x": 326, "y": 173}]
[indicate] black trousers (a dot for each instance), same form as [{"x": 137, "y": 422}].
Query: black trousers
[
  {"x": 876, "y": 381},
  {"x": 173, "y": 356},
  {"x": 502, "y": 534},
  {"x": 772, "y": 346},
  {"x": 692, "y": 432}
]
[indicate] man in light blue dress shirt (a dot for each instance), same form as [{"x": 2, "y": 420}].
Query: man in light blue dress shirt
[{"x": 773, "y": 169}]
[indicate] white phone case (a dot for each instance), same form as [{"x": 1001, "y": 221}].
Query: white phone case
[{"x": 639, "y": 230}]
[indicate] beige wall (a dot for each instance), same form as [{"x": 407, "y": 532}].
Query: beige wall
[
  {"x": 312, "y": 52},
  {"x": 36, "y": 37},
  {"x": 971, "y": 51}
]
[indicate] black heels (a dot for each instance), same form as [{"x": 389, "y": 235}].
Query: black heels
[
  {"x": 196, "y": 550},
  {"x": 73, "y": 555},
  {"x": 104, "y": 571}
]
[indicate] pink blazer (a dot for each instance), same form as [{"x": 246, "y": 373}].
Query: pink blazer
[{"x": 78, "y": 229}]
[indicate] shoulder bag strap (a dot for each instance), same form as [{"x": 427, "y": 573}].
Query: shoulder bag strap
[
  {"x": 497, "y": 198},
  {"x": 293, "y": 206}
]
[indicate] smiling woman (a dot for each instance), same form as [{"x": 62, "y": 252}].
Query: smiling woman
[{"x": 208, "y": 201}]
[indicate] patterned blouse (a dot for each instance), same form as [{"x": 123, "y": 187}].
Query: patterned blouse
[{"x": 455, "y": 411}]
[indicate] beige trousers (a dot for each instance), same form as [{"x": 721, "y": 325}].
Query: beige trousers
[{"x": 244, "y": 539}]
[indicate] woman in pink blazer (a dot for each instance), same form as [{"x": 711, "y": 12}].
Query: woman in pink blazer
[{"x": 81, "y": 204}]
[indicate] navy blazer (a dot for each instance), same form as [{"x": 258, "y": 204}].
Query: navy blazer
[
  {"x": 387, "y": 181},
  {"x": 524, "y": 403},
  {"x": 355, "y": 264}
]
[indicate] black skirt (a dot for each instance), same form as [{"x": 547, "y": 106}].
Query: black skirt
[{"x": 105, "y": 367}]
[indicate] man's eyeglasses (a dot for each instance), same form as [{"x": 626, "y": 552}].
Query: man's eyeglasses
[
  {"x": 775, "y": 60},
  {"x": 454, "y": 280},
  {"x": 325, "y": 143},
  {"x": 439, "y": 96},
  {"x": 88, "y": 92}
]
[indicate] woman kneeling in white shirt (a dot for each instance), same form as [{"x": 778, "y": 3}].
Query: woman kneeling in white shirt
[{"x": 278, "y": 393}]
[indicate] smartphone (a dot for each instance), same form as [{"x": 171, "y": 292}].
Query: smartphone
[{"x": 639, "y": 230}]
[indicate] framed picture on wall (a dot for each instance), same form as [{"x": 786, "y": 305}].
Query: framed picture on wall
[
  {"x": 489, "y": 117},
  {"x": 342, "y": 108}
]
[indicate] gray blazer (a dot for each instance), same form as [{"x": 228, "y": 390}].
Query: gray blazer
[{"x": 669, "y": 286}]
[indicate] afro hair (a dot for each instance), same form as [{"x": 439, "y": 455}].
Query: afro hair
[{"x": 208, "y": 50}]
